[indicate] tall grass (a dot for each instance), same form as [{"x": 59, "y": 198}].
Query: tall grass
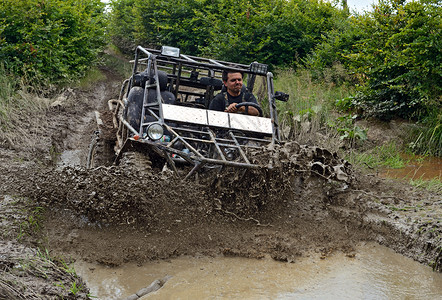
[
  {"x": 310, "y": 107},
  {"x": 6, "y": 93},
  {"x": 426, "y": 138},
  {"x": 387, "y": 155},
  {"x": 112, "y": 61},
  {"x": 433, "y": 185},
  {"x": 118, "y": 62},
  {"x": 92, "y": 76},
  {"x": 18, "y": 105}
]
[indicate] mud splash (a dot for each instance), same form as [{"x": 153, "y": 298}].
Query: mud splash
[
  {"x": 128, "y": 194},
  {"x": 230, "y": 212},
  {"x": 307, "y": 199},
  {"x": 375, "y": 272}
]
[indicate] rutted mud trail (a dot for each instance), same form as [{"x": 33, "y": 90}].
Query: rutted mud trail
[{"x": 308, "y": 200}]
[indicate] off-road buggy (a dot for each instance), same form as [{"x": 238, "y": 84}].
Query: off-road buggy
[{"x": 162, "y": 111}]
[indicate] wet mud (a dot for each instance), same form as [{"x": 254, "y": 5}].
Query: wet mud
[{"x": 305, "y": 200}]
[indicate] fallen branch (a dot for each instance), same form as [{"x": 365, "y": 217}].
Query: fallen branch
[{"x": 153, "y": 287}]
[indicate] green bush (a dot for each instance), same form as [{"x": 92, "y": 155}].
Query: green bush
[
  {"x": 50, "y": 40},
  {"x": 121, "y": 24},
  {"x": 277, "y": 32},
  {"x": 182, "y": 23},
  {"x": 332, "y": 49},
  {"x": 400, "y": 56},
  {"x": 394, "y": 52}
]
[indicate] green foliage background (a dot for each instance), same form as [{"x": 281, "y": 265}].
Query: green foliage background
[
  {"x": 394, "y": 52},
  {"x": 277, "y": 32},
  {"x": 50, "y": 40},
  {"x": 400, "y": 54}
]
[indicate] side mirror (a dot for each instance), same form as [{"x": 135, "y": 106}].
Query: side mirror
[{"x": 281, "y": 96}]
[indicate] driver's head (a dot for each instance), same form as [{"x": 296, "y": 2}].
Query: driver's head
[{"x": 233, "y": 82}]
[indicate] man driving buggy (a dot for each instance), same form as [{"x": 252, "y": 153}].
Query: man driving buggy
[{"x": 234, "y": 94}]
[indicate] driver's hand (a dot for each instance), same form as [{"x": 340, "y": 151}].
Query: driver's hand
[{"x": 232, "y": 108}]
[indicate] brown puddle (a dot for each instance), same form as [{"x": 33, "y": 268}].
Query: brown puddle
[
  {"x": 376, "y": 272},
  {"x": 428, "y": 168}
]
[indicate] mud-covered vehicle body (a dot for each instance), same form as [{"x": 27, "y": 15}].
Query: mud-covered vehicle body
[{"x": 163, "y": 111}]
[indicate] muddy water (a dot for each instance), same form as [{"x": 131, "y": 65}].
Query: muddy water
[
  {"x": 375, "y": 272},
  {"x": 426, "y": 169}
]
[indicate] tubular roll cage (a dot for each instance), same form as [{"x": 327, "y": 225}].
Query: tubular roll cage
[{"x": 205, "y": 145}]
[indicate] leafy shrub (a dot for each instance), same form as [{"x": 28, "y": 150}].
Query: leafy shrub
[
  {"x": 121, "y": 24},
  {"x": 277, "y": 32},
  {"x": 344, "y": 104},
  {"x": 348, "y": 130},
  {"x": 50, "y": 40},
  {"x": 182, "y": 23},
  {"x": 393, "y": 53},
  {"x": 426, "y": 138},
  {"x": 400, "y": 55},
  {"x": 332, "y": 49}
]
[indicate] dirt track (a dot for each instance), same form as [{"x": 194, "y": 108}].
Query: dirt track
[{"x": 114, "y": 215}]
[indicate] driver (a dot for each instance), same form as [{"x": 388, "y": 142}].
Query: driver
[{"x": 234, "y": 94}]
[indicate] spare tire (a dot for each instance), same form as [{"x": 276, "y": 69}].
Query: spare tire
[
  {"x": 162, "y": 78},
  {"x": 134, "y": 107},
  {"x": 168, "y": 97}
]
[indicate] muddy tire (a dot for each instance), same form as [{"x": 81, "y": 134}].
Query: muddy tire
[
  {"x": 135, "y": 105},
  {"x": 92, "y": 153},
  {"x": 162, "y": 78},
  {"x": 136, "y": 162},
  {"x": 100, "y": 151}
]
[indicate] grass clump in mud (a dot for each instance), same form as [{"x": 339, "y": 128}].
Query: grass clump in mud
[
  {"x": 47, "y": 277},
  {"x": 387, "y": 155},
  {"x": 21, "y": 218},
  {"x": 432, "y": 185},
  {"x": 426, "y": 137},
  {"x": 31, "y": 224}
]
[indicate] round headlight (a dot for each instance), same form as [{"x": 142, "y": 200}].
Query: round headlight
[{"x": 155, "y": 131}]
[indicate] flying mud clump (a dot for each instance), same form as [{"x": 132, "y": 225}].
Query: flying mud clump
[
  {"x": 128, "y": 195},
  {"x": 288, "y": 169}
]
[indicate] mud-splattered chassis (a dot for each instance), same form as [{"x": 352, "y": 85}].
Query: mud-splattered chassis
[{"x": 163, "y": 110}]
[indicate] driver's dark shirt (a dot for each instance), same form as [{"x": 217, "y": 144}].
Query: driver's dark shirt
[{"x": 219, "y": 103}]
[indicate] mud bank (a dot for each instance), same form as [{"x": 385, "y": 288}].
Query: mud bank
[{"x": 309, "y": 201}]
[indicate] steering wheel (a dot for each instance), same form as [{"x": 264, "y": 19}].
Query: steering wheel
[{"x": 253, "y": 104}]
